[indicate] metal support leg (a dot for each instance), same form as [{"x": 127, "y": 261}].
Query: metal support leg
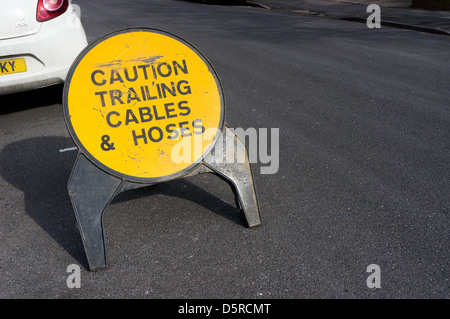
[
  {"x": 237, "y": 172},
  {"x": 91, "y": 190}
]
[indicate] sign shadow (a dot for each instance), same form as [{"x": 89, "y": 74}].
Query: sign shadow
[{"x": 38, "y": 168}]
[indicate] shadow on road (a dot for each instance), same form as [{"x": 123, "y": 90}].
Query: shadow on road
[
  {"x": 31, "y": 99},
  {"x": 37, "y": 168}
]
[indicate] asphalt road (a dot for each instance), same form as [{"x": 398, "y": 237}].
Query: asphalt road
[{"x": 363, "y": 178}]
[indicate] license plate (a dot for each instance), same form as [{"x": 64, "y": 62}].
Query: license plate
[{"x": 12, "y": 66}]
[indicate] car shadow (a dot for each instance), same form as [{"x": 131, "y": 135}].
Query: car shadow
[
  {"x": 37, "y": 168},
  {"x": 22, "y": 101}
]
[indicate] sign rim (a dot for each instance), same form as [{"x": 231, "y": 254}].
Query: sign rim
[{"x": 95, "y": 161}]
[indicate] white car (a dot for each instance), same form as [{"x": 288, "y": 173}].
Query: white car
[{"x": 39, "y": 40}]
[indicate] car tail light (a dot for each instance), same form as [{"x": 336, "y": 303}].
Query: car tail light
[{"x": 49, "y": 9}]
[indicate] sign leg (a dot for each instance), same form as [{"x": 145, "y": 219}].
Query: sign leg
[
  {"x": 91, "y": 190},
  {"x": 230, "y": 161}
]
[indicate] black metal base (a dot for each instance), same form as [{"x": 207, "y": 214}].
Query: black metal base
[{"x": 92, "y": 189}]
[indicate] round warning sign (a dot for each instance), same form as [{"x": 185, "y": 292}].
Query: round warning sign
[{"x": 143, "y": 104}]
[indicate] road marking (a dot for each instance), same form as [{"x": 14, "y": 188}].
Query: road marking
[{"x": 68, "y": 149}]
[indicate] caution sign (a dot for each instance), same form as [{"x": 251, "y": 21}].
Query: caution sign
[{"x": 134, "y": 95}]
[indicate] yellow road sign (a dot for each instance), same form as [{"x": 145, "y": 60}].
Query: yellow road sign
[{"x": 135, "y": 94}]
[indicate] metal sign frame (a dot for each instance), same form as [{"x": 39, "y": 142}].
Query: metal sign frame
[{"x": 92, "y": 185}]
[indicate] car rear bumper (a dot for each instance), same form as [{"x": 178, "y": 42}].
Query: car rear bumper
[{"x": 48, "y": 54}]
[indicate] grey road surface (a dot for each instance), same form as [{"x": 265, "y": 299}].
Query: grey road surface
[{"x": 364, "y": 161}]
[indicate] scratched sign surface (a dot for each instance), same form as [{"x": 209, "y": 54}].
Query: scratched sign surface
[{"x": 134, "y": 96}]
